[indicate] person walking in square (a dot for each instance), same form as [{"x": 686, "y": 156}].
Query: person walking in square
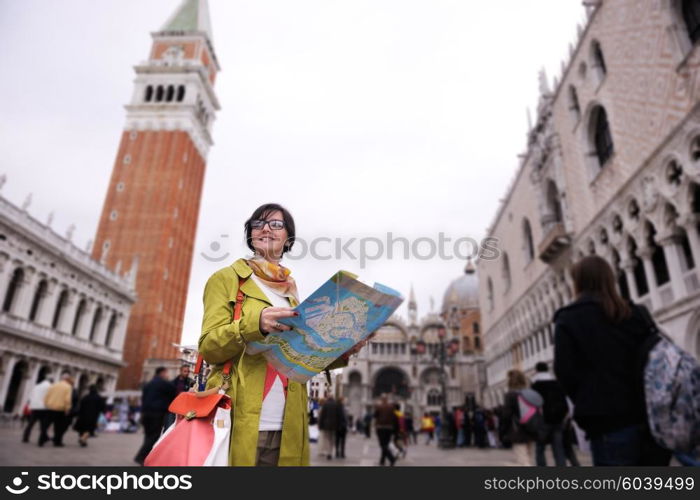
[
  {"x": 341, "y": 431},
  {"x": 59, "y": 402},
  {"x": 89, "y": 410},
  {"x": 328, "y": 425},
  {"x": 156, "y": 397},
  {"x": 385, "y": 424},
  {"x": 520, "y": 438},
  {"x": 554, "y": 409},
  {"x": 37, "y": 408}
]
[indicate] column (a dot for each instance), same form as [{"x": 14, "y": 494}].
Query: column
[
  {"x": 25, "y": 296},
  {"x": 8, "y": 364},
  {"x": 645, "y": 255},
  {"x": 672, "y": 252},
  {"x": 86, "y": 320},
  {"x": 48, "y": 304},
  {"x": 628, "y": 267}
]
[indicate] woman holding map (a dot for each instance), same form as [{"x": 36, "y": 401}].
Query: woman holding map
[{"x": 269, "y": 412}]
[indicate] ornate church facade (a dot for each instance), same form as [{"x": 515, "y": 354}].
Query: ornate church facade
[
  {"x": 612, "y": 167},
  {"x": 403, "y": 359}
]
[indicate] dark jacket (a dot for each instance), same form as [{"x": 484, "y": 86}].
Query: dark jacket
[
  {"x": 597, "y": 363},
  {"x": 555, "y": 407},
  {"x": 157, "y": 396},
  {"x": 182, "y": 384},
  {"x": 89, "y": 411},
  {"x": 328, "y": 418}
]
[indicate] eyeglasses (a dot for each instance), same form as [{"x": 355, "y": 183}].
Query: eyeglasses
[{"x": 275, "y": 224}]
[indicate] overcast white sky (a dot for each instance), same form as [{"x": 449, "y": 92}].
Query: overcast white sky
[{"x": 362, "y": 117}]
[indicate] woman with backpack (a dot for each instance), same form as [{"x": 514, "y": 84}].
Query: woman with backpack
[
  {"x": 522, "y": 440},
  {"x": 597, "y": 346}
]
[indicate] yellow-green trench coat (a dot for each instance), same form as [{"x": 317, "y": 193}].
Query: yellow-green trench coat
[{"x": 223, "y": 339}]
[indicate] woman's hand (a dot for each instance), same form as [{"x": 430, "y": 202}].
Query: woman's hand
[
  {"x": 269, "y": 317},
  {"x": 358, "y": 347}
]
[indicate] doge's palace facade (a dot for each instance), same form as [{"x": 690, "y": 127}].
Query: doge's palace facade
[{"x": 612, "y": 167}]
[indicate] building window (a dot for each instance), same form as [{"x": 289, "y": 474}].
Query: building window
[
  {"x": 640, "y": 278},
  {"x": 60, "y": 306},
  {"x": 127, "y": 159},
  {"x": 691, "y": 17},
  {"x": 113, "y": 215},
  {"x": 601, "y": 135},
  {"x": 95, "y": 323},
  {"x": 12, "y": 289},
  {"x": 489, "y": 294},
  {"x": 170, "y": 93},
  {"x": 149, "y": 93},
  {"x": 658, "y": 258},
  {"x": 133, "y": 135},
  {"x": 120, "y": 187},
  {"x": 599, "y": 61},
  {"x": 434, "y": 397},
  {"x": 506, "y": 272},
  {"x": 38, "y": 299},
  {"x": 574, "y": 106},
  {"x": 110, "y": 330},
  {"x": 528, "y": 243},
  {"x": 475, "y": 328},
  {"x": 159, "y": 93},
  {"x": 180, "y": 93},
  {"x": 688, "y": 261},
  {"x": 78, "y": 317}
]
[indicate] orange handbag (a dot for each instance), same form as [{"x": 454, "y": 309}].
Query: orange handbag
[
  {"x": 201, "y": 433},
  {"x": 203, "y": 404}
]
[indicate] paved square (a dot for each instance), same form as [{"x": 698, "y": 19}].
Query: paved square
[{"x": 114, "y": 449}]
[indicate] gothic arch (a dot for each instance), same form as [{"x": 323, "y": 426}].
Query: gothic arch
[
  {"x": 13, "y": 289},
  {"x": 391, "y": 380}
]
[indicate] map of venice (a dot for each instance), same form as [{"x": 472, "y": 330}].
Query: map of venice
[{"x": 341, "y": 313}]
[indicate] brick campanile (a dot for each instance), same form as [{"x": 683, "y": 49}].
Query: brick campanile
[{"x": 149, "y": 218}]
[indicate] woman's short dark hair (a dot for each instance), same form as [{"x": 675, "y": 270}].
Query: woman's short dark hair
[
  {"x": 262, "y": 212},
  {"x": 593, "y": 276}
]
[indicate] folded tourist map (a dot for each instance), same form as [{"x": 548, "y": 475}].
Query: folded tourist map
[{"x": 341, "y": 313}]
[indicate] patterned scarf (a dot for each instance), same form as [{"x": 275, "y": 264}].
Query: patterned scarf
[{"x": 275, "y": 276}]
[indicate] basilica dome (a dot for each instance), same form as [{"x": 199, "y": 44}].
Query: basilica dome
[{"x": 463, "y": 293}]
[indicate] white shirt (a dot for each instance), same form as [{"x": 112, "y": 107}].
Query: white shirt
[
  {"x": 36, "y": 400},
  {"x": 272, "y": 411}
]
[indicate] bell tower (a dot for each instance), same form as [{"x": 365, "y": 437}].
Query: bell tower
[{"x": 149, "y": 217}]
